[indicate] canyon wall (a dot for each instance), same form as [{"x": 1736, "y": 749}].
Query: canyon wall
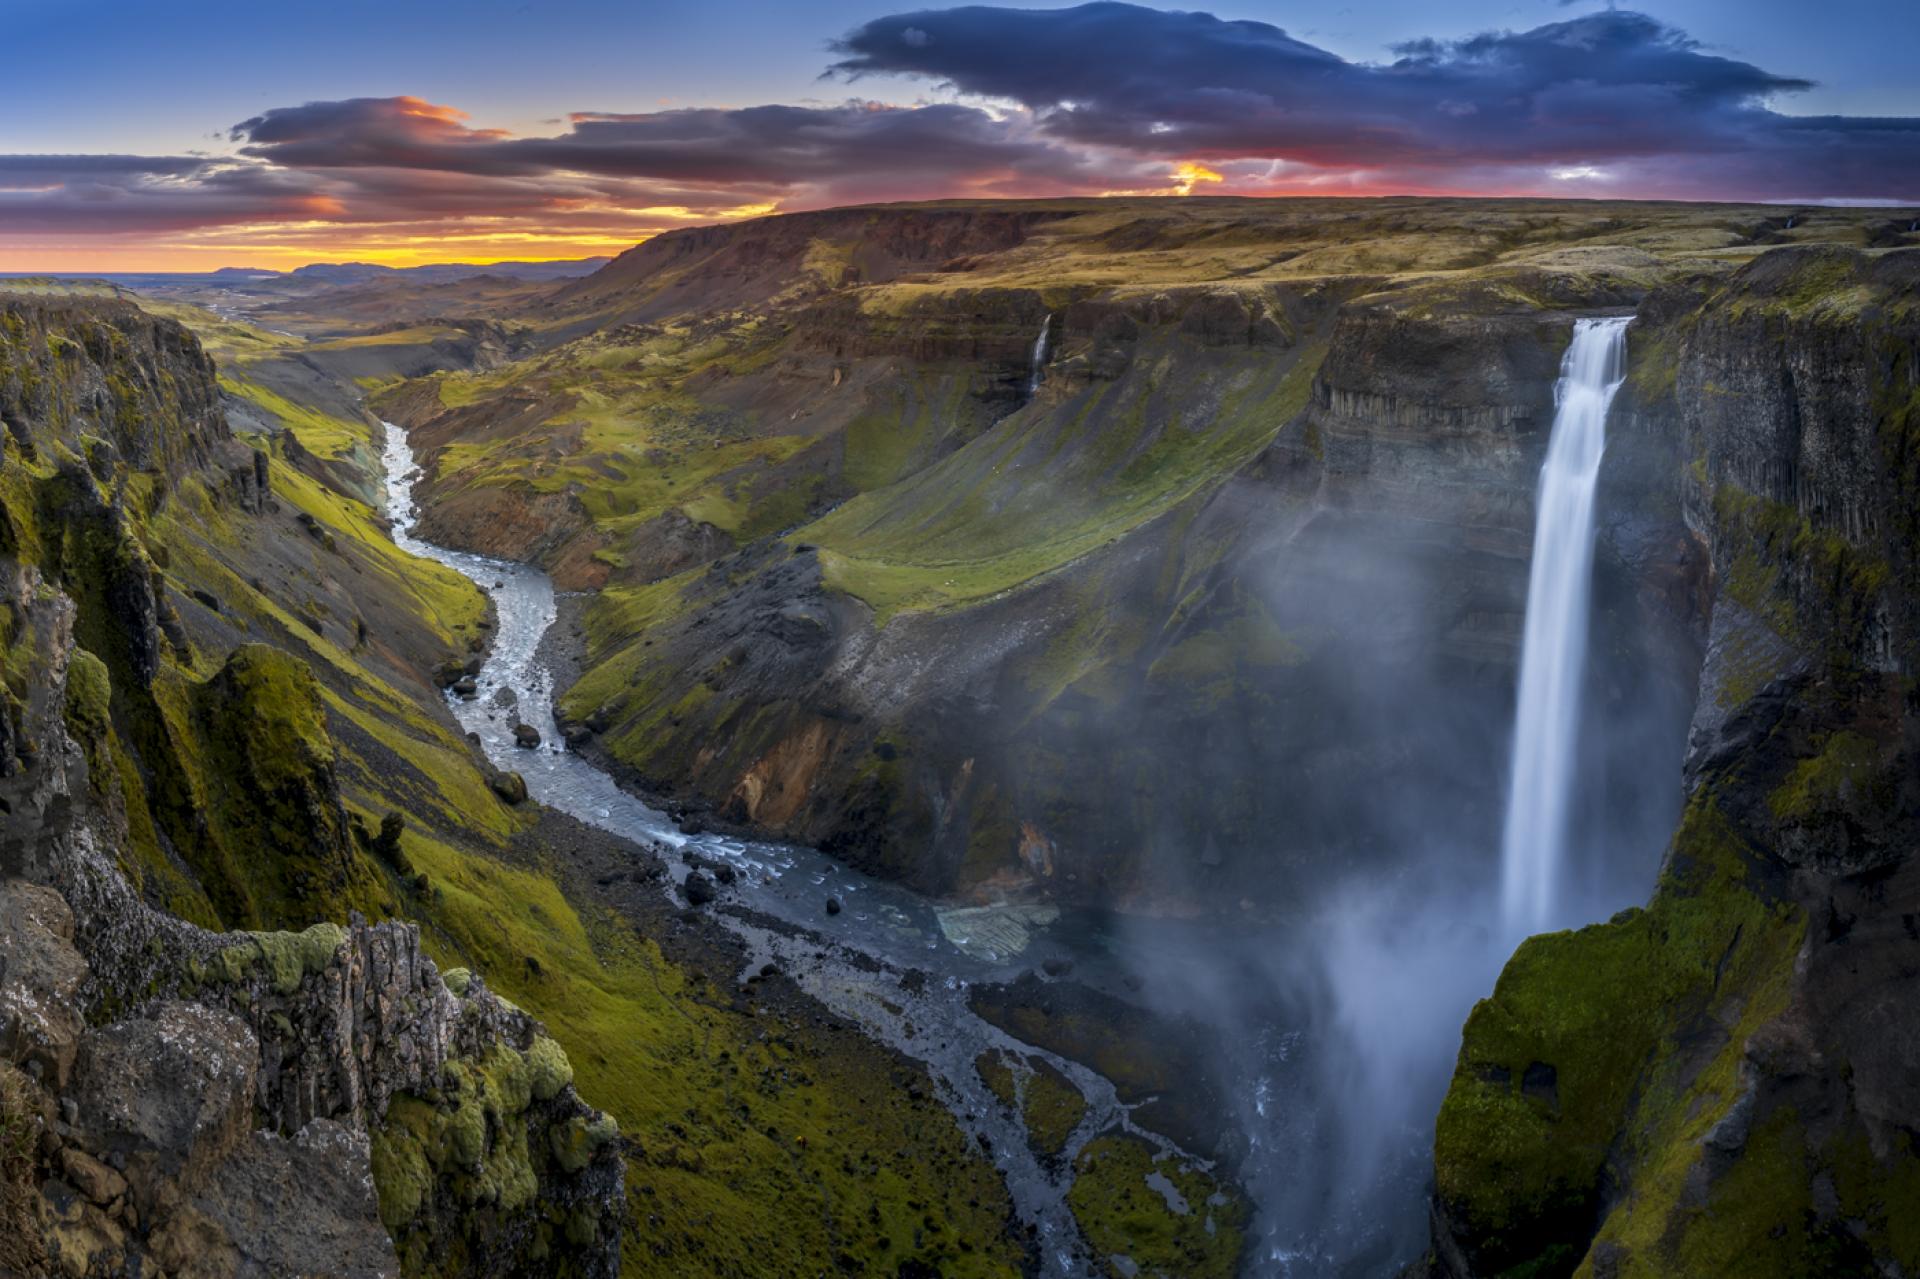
[
  {"x": 1721, "y": 1082},
  {"x": 1165, "y": 631},
  {"x": 173, "y": 1095}
]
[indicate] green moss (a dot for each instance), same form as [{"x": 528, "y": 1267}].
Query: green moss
[
  {"x": 466, "y": 1133},
  {"x": 1813, "y": 587},
  {"x": 1045, "y": 488},
  {"x": 549, "y": 1067},
  {"x": 264, "y": 767},
  {"x": 284, "y": 959},
  {"x": 752, "y": 1153},
  {"x": 1194, "y": 1233},
  {"x": 1878, "y": 1191},
  {"x": 158, "y": 876},
  {"x": 577, "y": 1141},
  {"x": 1828, "y": 780},
  {"x": 1578, "y": 1045},
  {"x": 469, "y": 1153},
  {"x": 89, "y": 704},
  {"x": 403, "y": 1175},
  {"x": 1653, "y": 366},
  {"x": 1051, "y": 1107},
  {"x": 996, "y": 1072},
  {"x": 446, "y": 601}
]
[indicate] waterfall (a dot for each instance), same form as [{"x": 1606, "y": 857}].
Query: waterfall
[
  {"x": 1039, "y": 355},
  {"x": 1553, "y": 652}
]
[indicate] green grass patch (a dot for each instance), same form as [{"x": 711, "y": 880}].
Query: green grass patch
[{"x": 1164, "y": 1217}]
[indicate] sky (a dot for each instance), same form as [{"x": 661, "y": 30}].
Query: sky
[{"x": 203, "y": 133}]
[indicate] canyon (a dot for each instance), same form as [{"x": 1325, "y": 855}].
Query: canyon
[{"x": 1061, "y": 657}]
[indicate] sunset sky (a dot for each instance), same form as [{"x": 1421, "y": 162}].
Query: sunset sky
[{"x": 189, "y": 135}]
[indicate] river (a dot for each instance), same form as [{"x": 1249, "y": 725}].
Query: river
[{"x": 889, "y": 928}]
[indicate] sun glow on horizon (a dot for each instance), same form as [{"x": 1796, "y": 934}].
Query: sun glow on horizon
[
  {"x": 284, "y": 245},
  {"x": 1188, "y": 175}
]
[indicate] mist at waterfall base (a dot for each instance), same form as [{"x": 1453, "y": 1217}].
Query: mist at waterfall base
[{"x": 1339, "y": 1016}]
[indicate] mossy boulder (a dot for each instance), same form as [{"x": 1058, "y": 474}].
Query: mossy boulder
[{"x": 548, "y": 1068}]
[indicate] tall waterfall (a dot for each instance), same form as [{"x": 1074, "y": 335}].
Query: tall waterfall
[
  {"x": 1039, "y": 355},
  {"x": 1553, "y": 654}
]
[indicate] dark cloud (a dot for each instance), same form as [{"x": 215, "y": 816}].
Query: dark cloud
[
  {"x": 1608, "y": 89},
  {"x": 1104, "y": 96},
  {"x": 114, "y": 193},
  {"x": 766, "y": 149},
  {"x": 404, "y": 160}
]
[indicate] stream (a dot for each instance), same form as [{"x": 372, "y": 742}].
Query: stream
[{"x": 852, "y": 962}]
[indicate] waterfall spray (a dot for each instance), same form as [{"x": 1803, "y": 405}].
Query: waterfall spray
[
  {"x": 1039, "y": 355},
  {"x": 1554, "y": 649}
]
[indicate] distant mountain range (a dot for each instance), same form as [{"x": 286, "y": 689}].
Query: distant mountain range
[
  {"x": 361, "y": 272},
  {"x": 336, "y": 273}
]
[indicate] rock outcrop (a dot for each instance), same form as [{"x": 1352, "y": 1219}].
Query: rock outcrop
[{"x": 177, "y": 1099}]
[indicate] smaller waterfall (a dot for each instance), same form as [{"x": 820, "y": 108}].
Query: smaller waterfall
[
  {"x": 1039, "y": 355},
  {"x": 1554, "y": 649}
]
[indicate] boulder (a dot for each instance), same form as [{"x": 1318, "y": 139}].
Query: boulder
[
  {"x": 303, "y": 1205},
  {"x": 510, "y": 787},
  {"x": 170, "y": 1094},
  {"x": 40, "y": 977},
  {"x": 526, "y": 736}
]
